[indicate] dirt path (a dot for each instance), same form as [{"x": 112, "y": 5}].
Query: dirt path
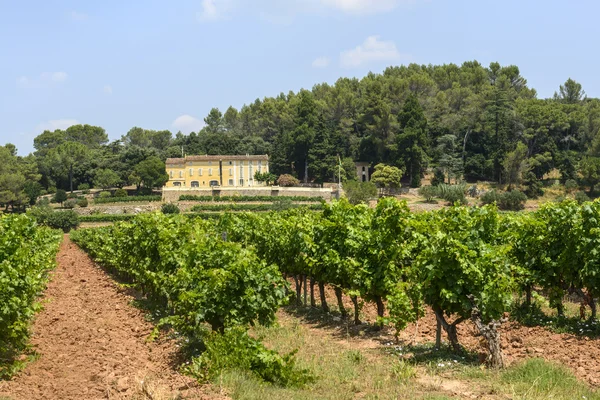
[{"x": 92, "y": 343}]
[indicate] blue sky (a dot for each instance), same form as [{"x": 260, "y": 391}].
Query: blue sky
[{"x": 164, "y": 65}]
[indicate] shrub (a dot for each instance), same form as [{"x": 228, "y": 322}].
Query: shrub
[
  {"x": 571, "y": 185},
  {"x": 438, "y": 177},
  {"x": 429, "y": 192},
  {"x": 60, "y": 196},
  {"x": 489, "y": 197},
  {"x": 169, "y": 208},
  {"x": 83, "y": 202},
  {"x": 72, "y": 196},
  {"x": 83, "y": 187},
  {"x": 581, "y": 197},
  {"x": 64, "y": 220},
  {"x": 120, "y": 193},
  {"x": 360, "y": 192},
  {"x": 452, "y": 193},
  {"x": 44, "y": 201},
  {"x": 129, "y": 199},
  {"x": 236, "y": 350},
  {"x": 70, "y": 204},
  {"x": 512, "y": 201},
  {"x": 104, "y": 195},
  {"x": 287, "y": 180}
]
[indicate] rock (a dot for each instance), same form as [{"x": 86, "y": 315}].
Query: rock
[{"x": 122, "y": 384}]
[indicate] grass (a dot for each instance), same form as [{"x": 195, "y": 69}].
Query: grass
[{"x": 349, "y": 368}]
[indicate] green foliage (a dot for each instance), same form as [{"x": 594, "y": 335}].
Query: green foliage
[
  {"x": 438, "y": 177},
  {"x": 282, "y": 203},
  {"x": 106, "y": 217},
  {"x": 83, "y": 202},
  {"x": 236, "y": 350},
  {"x": 106, "y": 179},
  {"x": 169, "y": 208},
  {"x": 387, "y": 177},
  {"x": 571, "y": 185},
  {"x": 104, "y": 199},
  {"x": 581, "y": 197},
  {"x": 265, "y": 177},
  {"x": 70, "y": 204},
  {"x": 103, "y": 195},
  {"x": 120, "y": 193},
  {"x": 27, "y": 253},
  {"x": 453, "y": 193},
  {"x": 513, "y": 200},
  {"x": 360, "y": 192},
  {"x": 60, "y": 196},
  {"x": 46, "y": 216},
  {"x": 429, "y": 192},
  {"x": 287, "y": 180},
  {"x": 248, "y": 199},
  {"x": 152, "y": 172},
  {"x": 83, "y": 186},
  {"x": 197, "y": 280}
]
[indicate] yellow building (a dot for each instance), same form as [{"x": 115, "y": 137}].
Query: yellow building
[{"x": 209, "y": 171}]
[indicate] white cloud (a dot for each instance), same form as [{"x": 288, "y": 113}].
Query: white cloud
[
  {"x": 321, "y": 62},
  {"x": 186, "y": 124},
  {"x": 107, "y": 89},
  {"x": 362, "y": 6},
  {"x": 78, "y": 16},
  {"x": 213, "y": 10},
  {"x": 55, "y": 124},
  {"x": 372, "y": 50},
  {"x": 45, "y": 79}
]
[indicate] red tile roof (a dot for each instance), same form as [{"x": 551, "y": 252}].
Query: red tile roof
[{"x": 171, "y": 161}]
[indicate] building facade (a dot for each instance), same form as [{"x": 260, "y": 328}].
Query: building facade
[
  {"x": 209, "y": 171},
  {"x": 362, "y": 171}
]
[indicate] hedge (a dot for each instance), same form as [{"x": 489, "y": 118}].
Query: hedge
[
  {"x": 132, "y": 199},
  {"x": 247, "y": 199}
]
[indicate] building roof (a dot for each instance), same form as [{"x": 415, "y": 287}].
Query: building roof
[{"x": 217, "y": 158}]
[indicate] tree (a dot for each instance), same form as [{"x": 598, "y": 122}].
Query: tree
[
  {"x": 152, "y": 172},
  {"x": 360, "y": 192},
  {"x": 287, "y": 180},
  {"x": 589, "y": 168},
  {"x": 387, "y": 177},
  {"x": 106, "y": 179},
  {"x": 412, "y": 140},
  {"x": 265, "y": 177},
  {"x": 214, "y": 122},
  {"x": 515, "y": 165},
  {"x": 570, "y": 93},
  {"x": 68, "y": 155},
  {"x": 60, "y": 196}
]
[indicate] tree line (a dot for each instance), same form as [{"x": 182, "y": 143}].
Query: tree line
[{"x": 467, "y": 122}]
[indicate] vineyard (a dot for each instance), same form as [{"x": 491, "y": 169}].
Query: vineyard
[
  {"x": 213, "y": 280},
  {"x": 27, "y": 253}
]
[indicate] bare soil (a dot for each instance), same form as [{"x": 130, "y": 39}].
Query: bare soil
[{"x": 92, "y": 343}]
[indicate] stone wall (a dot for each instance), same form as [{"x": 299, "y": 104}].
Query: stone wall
[{"x": 173, "y": 194}]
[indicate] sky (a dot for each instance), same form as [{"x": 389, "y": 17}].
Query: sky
[{"x": 165, "y": 64}]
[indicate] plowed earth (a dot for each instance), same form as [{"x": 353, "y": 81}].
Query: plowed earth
[{"x": 91, "y": 343}]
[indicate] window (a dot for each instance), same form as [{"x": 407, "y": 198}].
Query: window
[
  {"x": 210, "y": 172},
  {"x": 177, "y": 184},
  {"x": 230, "y": 162},
  {"x": 241, "y": 171},
  {"x": 191, "y": 172},
  {"x": 199, "y": 171},
  {"x": 210, "y": 163},
  {"x": 214, "y": 183},
  {"x": 171, "y": 174},
  {"x": 241, "y": 182},
  {"x": 230, "y": 171},
  {"x": 231, "y": 182},
  {"x": 363, "y": 169},
  {"x": 195, "y": 184},
  {"x": 181, "y": 174}
]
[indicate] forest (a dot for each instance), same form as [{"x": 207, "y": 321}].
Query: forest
[{"x": 466, "y": 123}]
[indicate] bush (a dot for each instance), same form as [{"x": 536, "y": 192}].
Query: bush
[
  {"x": 129, "y": 199},
  {"x": 571, "y": 185},
  {"x": 360, "y": 192},
  {"x": 489, "y": 197},
  {"x": 83, "y": 202},
  {"x": 438, "y": 177},
  {"x": 169, "y": 208},
  {"x": 429, "y": 192},
  {"x": 581, "y": 197},
  {"x": 453, "y": 193},
  {"x": 120, "y": 193},
  {"x": 70, "y": 204},
  {"x": 105, "y": 195},
  {"x": 46, "y": 216},
  {"x": 44, "y": 201},
  {"x": 236, "y": 350},
  {"x": 60, "y": 196},
  {"x": 287, "y": 180},
  {"x": 83, "y": 187},
  {"x": 512, "y": 201}
]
